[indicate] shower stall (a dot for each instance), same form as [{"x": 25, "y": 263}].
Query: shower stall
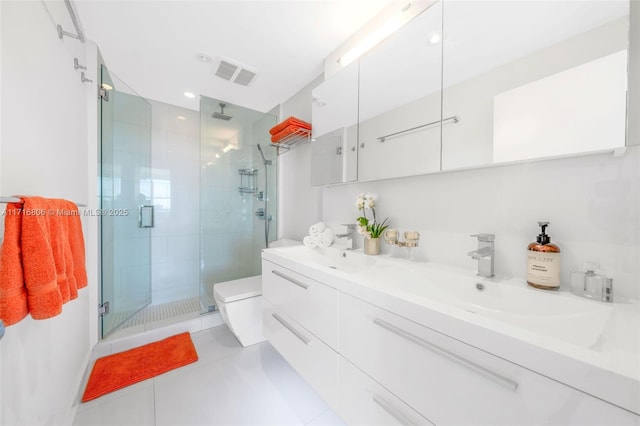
[
  {"x": 237, "y": 193},
  {"x": 198, "y": 203}
]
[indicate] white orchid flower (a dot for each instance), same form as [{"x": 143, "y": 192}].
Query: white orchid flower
[{"x": 370, "y": 200}]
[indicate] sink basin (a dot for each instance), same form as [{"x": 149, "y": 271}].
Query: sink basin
[
  {"x": 556, "y": 314},
  {"x": 507, "y": 304},
  {"x": 332, "y": 258}
]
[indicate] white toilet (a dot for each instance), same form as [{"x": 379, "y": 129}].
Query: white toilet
[{"x": 240, "y": 304}]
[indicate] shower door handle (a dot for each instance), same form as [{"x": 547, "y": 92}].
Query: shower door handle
[{"x": 145, "y": 216}]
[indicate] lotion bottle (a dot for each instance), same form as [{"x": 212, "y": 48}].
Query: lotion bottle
[{"x": 543, "y": 262}]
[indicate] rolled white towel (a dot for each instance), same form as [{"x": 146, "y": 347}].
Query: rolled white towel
[
  {"x": 325, "y": 239},
  {"x": 316, "y": 229},
  {"x": 310, "y": 241}
]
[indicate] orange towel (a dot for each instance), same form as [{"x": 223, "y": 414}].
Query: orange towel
[
  {"x": 291, "y": 121},
  {"x": 76, "y": 241},
  {"x": 289, "y": 130},
  {"x": 51, "y": 267},
  {"x": 42, "y": 261},
  {"x": 13, "y": 294}
]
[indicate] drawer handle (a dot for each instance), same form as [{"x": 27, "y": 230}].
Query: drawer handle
[
  {"x": 293, "y": 280},
  {"x": 290, "y": 328},
  {"x": 393, "y": 411},
  {"x": 495, "y": 377}
]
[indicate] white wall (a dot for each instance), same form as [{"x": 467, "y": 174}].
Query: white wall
[
  {"x": 44, "y": 151},
  {"x": 634, "y": 69},
  {"x": 592, "y": 202},
  {"x": 299, "y": 204}
]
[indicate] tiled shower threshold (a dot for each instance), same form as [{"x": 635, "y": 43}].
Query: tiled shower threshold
[{"x": 158, "y": 316}]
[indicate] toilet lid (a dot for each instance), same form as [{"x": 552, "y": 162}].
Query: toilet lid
[{"x": 231, "y": 291}]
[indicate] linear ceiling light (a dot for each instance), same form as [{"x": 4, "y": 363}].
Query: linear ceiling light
[{"x": 390, "y": 26}]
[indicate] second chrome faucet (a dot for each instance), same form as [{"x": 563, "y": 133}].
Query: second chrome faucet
[{"x": 484, "y": 254}]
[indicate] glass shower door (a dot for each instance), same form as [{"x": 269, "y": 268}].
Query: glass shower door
[
  {"x": 238, "y": 197},
  {"x": 126, "y": 215}
]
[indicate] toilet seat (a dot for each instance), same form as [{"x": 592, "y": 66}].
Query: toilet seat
[{"x": 232, "y": 291}]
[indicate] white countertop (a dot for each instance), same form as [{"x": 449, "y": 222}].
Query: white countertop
[{"x": 589, "y": 345}]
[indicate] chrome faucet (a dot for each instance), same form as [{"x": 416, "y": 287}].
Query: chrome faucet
[
  {"x": 350, "y": 236},
  {"x": 484, "y": 254}
]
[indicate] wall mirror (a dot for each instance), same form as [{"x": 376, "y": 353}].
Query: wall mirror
[
  {"x": 533, "y": 79},
  {"x": 334, "y": 149},
  {"x": 470, "y": 83},
  {"x": 400, "y": 101}
]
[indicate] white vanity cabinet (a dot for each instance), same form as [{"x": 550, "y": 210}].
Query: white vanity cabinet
[
  {"x": 376, "y": 367},
  {"x": 452, "y": 383},
  {"x": 309, "y": 302},
  {"x": 299, "y": 319},
  {"x": 316, "y": 362}
]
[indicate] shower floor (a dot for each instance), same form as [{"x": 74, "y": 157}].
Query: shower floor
[{"x": 154, "y": 316}]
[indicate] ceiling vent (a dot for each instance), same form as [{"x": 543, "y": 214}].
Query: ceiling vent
[
  {"x": 226, "y": 69},
  {"x": 244, "y": 77},
  {"x": 236, "y": 72}
]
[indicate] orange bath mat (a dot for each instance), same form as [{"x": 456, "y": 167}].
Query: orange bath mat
[{"x": 119, "y": 370}]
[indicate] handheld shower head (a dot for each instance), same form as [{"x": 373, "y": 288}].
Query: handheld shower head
[
  {"x": 221, "y": 115},
  {"x": 264, "y": 160}
]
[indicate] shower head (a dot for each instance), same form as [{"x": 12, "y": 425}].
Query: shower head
[
  {"x": 264, "y": 160},
  {"x": 221, "y": 115}
]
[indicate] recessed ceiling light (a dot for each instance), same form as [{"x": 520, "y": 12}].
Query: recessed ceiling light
[
  {"x": 435, "y": 38},
  {"x": 203, "y": 57},
  {"x": 181, "y": 117},
  {"x": 189, "y": 95}
]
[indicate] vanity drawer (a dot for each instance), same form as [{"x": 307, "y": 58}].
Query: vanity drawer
[
  {"x": 316, "y": 362},
  {"x": 310, "y": 303},
  {"x": 450, "y": 382},
  {"x": 362, "y": 401}
]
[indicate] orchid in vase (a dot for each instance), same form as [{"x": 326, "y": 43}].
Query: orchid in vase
[{"x": 369, "y": 228}]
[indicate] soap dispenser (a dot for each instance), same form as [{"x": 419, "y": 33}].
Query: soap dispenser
[{"x": 543, "y": 262}]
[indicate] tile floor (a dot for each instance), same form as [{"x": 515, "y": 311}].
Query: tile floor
[{"x": 229, "y": 385}]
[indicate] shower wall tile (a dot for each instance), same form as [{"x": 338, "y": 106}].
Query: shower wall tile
[
  {"x": 175, "y": 184},
  {"x": 183, "y": 146},
  {"x": 175, "y": 292},
  {"x": 183, "y": 169},
  {"x": 177, "y": 278},
  {"x": 184, "y": 247},
  {"x": 126, "y": 250},
  {"x": 159, "y": 249}
]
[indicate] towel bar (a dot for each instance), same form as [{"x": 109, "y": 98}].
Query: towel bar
[
  {"x": 453, "y": 119},
  {"x": 18, "y": 200},
  {"x": 74, "y": 19}
]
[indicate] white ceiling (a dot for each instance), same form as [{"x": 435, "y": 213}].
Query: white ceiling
[{"x": 153, "y": 45}]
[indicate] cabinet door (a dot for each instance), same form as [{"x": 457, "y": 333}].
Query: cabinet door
[
  {"x": 400, "y": 108},
  {"x": 334, "y": 149},
  {"x": 309, "y": 302},
  {"x": 452, "y": 383},
  {"x": 363, "y": 401},
  {"x": 312, "y": 359},
  {"x": 335, "y": 102}
]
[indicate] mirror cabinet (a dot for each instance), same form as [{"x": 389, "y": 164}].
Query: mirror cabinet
[{"x": 471, "y": 83}]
